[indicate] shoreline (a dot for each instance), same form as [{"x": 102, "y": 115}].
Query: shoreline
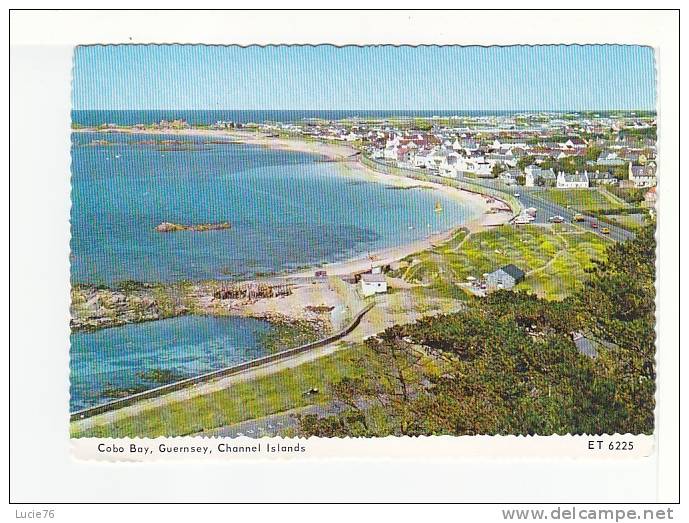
[
  {"x": 294, "y": 308},
  {"x": 330, "y": 151}
]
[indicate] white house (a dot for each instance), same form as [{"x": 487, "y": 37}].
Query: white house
[
  {"x": 510, "y": 176},
  {"x": 468, "y": 145},
  {"x": 534, "y": 175},
  {"x": 390, "y": 151},
  {"x": 474, "y": 165},
  {"x": 609, "y": 159},
  {"x": 603, "y": 178},
  {"x": 642, "y": 176},
  {"x": 503, "y": 159},
  {"x": 450, "y": 167},
  {"x": 373, "y": 284},
  {"x": 572, "y": 143},
  {"x": 438, "y": 158},
  {"x": 377, "y": 154},
  {"x": 422, "y": 159},
  {"x": 572, "y": 181}
]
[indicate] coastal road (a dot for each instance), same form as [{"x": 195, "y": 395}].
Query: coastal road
[
  {"x": 546, "y": 209},
  {"x": 356, "y": 331},
  {"x": 534, "y": 197},
  {"x": 269, "y": 426}
]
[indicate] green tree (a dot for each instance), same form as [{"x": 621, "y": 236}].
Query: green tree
[
  {"x": 497, "y": 169},
  {"x": 525, "y": 161},
  {"x": 617, "y": 305},
  {"x": 593, "y": 152},
  {"x": 382, "y": 401}
]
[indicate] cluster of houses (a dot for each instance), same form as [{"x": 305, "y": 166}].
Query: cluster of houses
[
  {"x": 176, "y": 124},
  {"x": 490, "y": 147},
  {"x": 522, "y": 149},
  {"x": 464, "y": 156},
  {"x": 225, "y": 124}
]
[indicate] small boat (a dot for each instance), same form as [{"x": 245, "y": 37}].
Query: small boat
[{"x": 438, "y": 207}]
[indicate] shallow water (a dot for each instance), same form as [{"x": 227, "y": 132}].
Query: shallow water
[{"x": 189, "y": 345}]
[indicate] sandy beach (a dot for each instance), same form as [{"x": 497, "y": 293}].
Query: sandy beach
[
  {"x": 310, "y": 299},
  {"x": 396, "y": 253}
]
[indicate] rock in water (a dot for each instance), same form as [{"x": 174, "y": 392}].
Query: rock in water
[
  {"x": 168, "y": 227},
  {"x": 173, "y": 227}
]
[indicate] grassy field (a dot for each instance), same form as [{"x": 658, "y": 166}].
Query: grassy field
[
  {"x": 633, "y": 196},
  {"x": 564, "y": 273},
  {"x": 631, "y": 222},
  {"x": 583, "y": 199},
  {"x": 554, "y": 258},
  {"x": 277, "y": 392}
]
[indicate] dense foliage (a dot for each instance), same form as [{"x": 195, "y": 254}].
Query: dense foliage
[
  {"x": 630, "y": 195},
  {"x": 507, "y": 364}
]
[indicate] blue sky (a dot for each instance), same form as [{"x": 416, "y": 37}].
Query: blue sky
[{"x": 373, "y": 78}]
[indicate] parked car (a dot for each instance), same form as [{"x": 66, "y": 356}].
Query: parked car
[{"x": 517, "y": 195}]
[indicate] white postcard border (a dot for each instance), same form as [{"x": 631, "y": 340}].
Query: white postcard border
[{"x": 41, "y": 71}]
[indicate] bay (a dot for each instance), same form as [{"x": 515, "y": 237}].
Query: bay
[{"x": 288, "y": 210}]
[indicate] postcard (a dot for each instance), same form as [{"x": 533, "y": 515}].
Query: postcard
[
  {"x": 344, "y": 256},
  {"x": 256, "y": 263}
]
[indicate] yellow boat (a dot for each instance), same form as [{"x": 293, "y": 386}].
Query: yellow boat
[{"x": 438, "y": 207}]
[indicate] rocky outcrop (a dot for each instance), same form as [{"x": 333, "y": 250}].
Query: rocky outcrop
[{"x": 97, "y": 308}]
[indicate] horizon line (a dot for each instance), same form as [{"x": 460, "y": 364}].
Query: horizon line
[{"x": 380, "y": 110}]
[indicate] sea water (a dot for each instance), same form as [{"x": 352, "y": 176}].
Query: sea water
[
  {"x": 113, "y": 360},
  {"x": 287, "y": 210},
  {"x": 92, "y": 118}
]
